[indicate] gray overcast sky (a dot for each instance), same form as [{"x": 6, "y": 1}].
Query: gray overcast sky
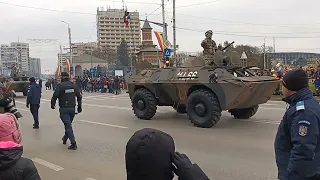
[{"x": 242, "y": 21}]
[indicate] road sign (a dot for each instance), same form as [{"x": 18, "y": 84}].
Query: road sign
[
  {"x": 167, "y": 44},
  {"x": 243, "y": 56},
  {"x": 167, "y": 52},
  {"x": 91, "y": 70},
  {"x": 71, "y": 70}
]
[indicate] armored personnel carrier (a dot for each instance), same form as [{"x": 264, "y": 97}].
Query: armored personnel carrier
[
  {"x": 201, "y": 90},
  {"x": 18, "y": 82}
]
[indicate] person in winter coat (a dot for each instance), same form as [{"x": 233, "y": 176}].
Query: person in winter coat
[
  {"x": 12, "y": 165},
  {"x": 150, "y": 154}
]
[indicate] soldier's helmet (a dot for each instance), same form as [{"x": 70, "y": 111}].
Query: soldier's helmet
[{"x": 208, "y": 32}]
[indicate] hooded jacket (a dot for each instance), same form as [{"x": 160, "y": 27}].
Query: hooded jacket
[
  {"x": 149, "y": 156},
  {"x": 13, "y": 166}
]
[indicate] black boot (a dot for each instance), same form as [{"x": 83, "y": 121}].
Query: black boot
[
  {"x": 64, "y": 140},
  {"x": 73, "y": 147},
  {"x": 35, "y": 126}
]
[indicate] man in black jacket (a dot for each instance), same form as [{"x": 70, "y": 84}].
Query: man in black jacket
[
  {"x": 150, "y": 154},
  {"x": 67, "y": 92}
]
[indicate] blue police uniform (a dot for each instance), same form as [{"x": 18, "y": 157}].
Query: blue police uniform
[
  {"x": 33, "y": 101},
  {"x": 67, "y": 92},
  {"x": 296, "y": 144}
]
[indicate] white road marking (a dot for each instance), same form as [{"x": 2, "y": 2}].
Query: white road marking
[
  {"x": 47, "y": 164},
  {"x": 20, "y": 102},
  {"x": 103, "y": 124},
  {"x": 265, "y": 122},
  {"x": 267, "y": 104},
  {"x": 98, "y": 96},
  {"x": 105, "y": 106},
  {"x": 26, "y": 110},
  {"x": 90, "y": 179},
  {"x": 113, "y": 98}
]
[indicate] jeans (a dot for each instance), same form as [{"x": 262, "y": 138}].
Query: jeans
[
  {"x": 67, "y": 115},
  {"x": 34, "y": 109}
]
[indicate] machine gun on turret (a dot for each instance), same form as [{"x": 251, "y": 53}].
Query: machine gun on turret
[
  {"x": 220, "y": 58},
  {"x": 227, "y": 46}
]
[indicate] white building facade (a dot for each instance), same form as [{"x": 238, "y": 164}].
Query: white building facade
[
  {"x": 35, "y": 67},
  {"x": 80, "y": 48},
  {"x": 111, "y": 29},
  {"x": 9, "y": 56},
  {"x": 23, "y": 50}
]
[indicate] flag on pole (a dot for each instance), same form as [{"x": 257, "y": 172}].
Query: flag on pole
[
  {"x": 58, "y": 71},
  {"x": 160, "y": 40},
  {"x": 68, "y": 65},
  {"x": 126, "y": 18}
]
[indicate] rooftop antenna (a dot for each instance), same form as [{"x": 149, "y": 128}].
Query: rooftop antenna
[
  {"x": 146, "y": 16},
  {"x": 18, "y": 39}
]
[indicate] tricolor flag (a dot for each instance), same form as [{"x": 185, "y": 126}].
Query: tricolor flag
[
  {"x": 126, "y": 18},
  {"x": 159, "y": 37},
  {"x": 58, "y": 71},
  {"x": 68, "y": 65}
]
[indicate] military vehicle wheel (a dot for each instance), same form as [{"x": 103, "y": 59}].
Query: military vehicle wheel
[
  {"x": 144, "y": 104},
  {"x": 244, "y": 113},
  {"x": 203, "y": 108},
  {"x": 180, "y": 109}
]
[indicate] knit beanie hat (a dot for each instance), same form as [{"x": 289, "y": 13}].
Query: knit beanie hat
[
  {"x": 9, "y": 128},
  {"x": 295, "y": 80},
  {"x": 32, "y": 79}
]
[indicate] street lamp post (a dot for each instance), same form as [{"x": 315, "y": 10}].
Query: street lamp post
[
  {"x": 69, "y": 33},
  {"x": 264, "y": 53}
]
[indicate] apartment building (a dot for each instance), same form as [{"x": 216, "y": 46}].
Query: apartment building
[
  {"x": 62, "y": 58},
  {"x": 35, "y": 67},
  {"x": 23, "y": 49},
  {"x": 111, "y": 29},
  {"x": 9, "y": 56},
  {"x": 80, "y": 48}
]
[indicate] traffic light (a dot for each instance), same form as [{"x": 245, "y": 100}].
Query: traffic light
[{"x": 167, "y": 59}]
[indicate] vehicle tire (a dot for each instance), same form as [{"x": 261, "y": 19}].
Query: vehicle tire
[
  {"x": 203, "y": 108},
  {"x": 144, "y": 104},
  {"x": 244, "y": 113},
  {"x": 182, "y": 109}
]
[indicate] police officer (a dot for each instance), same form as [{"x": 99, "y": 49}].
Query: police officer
[
  {"x": 33, "y": 101},
  {"x": 297, "y": 143},
  {"x": 67, "y": 92}
]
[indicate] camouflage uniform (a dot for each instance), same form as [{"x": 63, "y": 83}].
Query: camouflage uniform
[{"x": 209, "y": 47}]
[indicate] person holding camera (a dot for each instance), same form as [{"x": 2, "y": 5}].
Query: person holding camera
[{"x": 67, "y": 92}]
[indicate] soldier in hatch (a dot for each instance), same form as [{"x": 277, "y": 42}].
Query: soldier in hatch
[{"x": 209, "y": 46}]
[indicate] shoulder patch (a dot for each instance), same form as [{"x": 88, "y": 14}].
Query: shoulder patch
[
  {"x": 69, "y": 91},
  {"x": 303, "y": 130},
  {"x": 300, "y": 106},
  {"x": 304, "y": 122}
]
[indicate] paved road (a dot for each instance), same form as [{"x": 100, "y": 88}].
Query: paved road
[{"x": 234, "y": 149}]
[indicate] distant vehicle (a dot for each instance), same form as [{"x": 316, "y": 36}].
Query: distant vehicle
[{"x": 19, "y": 84}]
